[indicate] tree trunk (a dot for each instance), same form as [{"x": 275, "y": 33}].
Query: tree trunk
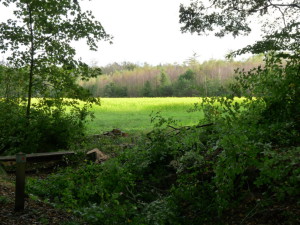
[{"x": 30, "y": 83}]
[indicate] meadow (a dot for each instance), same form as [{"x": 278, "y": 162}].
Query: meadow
[{"x": 134, "y": 114}]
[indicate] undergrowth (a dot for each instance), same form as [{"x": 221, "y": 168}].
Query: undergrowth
[{"x": 240, "y": 162}]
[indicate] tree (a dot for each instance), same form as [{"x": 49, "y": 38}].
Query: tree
[
  {"x": 188, "y": 75},
  {"x": 276, "y": 82},
  {"x": 164, "y": 79},
  {"x": 147, "y": 89},
  {"x": 113, "y": 90},
  {"x": 39, "y": 40},
  {"x": 186, "y": 84},
  {"x": 41, "y": 63},
  {"x": 192, "y": 61},
  {"x": 165, "y": 88}
]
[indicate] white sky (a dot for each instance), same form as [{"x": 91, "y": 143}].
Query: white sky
[{"x": 149, "y": 31}]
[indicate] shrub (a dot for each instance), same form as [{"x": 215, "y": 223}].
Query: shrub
[
  {"x": 243, "y": 158},
  {"x": 48, "y": 129}
]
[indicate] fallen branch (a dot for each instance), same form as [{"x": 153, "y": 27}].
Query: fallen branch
[
  {"x": 179, "y": 129},
  {"x": 190, "y": 127}
]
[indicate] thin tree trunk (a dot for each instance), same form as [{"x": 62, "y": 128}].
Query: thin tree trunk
[{"x": 29, "y": 96}]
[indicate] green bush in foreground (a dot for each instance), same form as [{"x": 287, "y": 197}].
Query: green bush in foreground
[
  {"x": 48, "y": 129},
  {"x": 244, "y": 158},
  {"x": 177, "y": 179}
]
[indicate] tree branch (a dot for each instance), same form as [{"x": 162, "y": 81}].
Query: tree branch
[
  {"x": 190, "y": 127},
  {"x": 287, "y": 5}
]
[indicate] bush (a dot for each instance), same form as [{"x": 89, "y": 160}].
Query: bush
[
  {"x": 48, "y": 129},
  {"x": 241, "y": 160},
  {"x": 144, "y": 185},
  {"x": 188, "y": 175}
]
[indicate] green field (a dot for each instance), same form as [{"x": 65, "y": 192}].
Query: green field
[{"x": 133, "y": 114}]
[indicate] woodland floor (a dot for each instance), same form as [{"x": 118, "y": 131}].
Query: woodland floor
[
  {"x": 35, "y": 212},
  {"x": 249, "y": 212}
]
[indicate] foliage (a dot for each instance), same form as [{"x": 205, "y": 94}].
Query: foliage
[
  {"x": 11, "y": 82},
  {"x": 277, "y": 84},
  {"x": 147, "y": 90},
  {"x": 41, "y": 63},
  {"x": 164, "y": 79},
  {"x": 115, "y": 67},
  {"x": 260, "y": 136},
  {"x": 185, "y": 85},
  {"x": 49, "y": 129},
  {"x": 243, "y": 156},
  {"x": 182, "y": 175},
  {"x": 44, "y": 30},
  {"x": 112, "y": 90},
  {"x": 231, "y": 17},
  {"x": 212, "y": 78},
  {"x": 165, "y": 88},
  {"x": 3, "y": 200}
]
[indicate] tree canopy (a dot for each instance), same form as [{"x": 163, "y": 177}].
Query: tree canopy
[
  {"x": 39, "y": 39},
  {"x": 41, "y": 63},
  {"x": 280, "y": 22}
]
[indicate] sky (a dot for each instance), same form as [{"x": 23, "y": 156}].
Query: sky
[{"x": 148, "y": 31}]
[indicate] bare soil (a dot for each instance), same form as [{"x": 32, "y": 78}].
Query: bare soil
[{"x": 35, "y": 212}]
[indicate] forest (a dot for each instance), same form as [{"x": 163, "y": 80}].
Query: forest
[
  {"x": 210, "y": 78},
  {"x": 238, "y": 164}
]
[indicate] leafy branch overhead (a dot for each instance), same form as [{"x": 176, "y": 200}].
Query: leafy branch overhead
[
  {"x": 280, "y": 21},
  {"x": 52, "y": 25}
]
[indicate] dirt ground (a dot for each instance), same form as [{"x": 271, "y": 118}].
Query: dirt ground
[{"x": 35, "y": 212}]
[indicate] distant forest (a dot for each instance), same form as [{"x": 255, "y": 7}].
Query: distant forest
[{"x": 210, "y": 78}]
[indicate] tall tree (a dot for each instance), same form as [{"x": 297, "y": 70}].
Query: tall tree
[{"x": 39, "y": 38}]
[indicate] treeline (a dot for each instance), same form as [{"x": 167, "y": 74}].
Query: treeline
[{"x": 210, "y": 78}]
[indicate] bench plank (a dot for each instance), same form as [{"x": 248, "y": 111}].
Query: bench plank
[{"x": 46, "y": 156}]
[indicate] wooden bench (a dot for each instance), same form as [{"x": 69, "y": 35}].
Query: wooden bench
[
  {"x": 39, "y": 157},
  {"x": 20, "y": 159}
]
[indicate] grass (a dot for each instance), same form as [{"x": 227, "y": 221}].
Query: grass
[{"x": 133, "y": 114}]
